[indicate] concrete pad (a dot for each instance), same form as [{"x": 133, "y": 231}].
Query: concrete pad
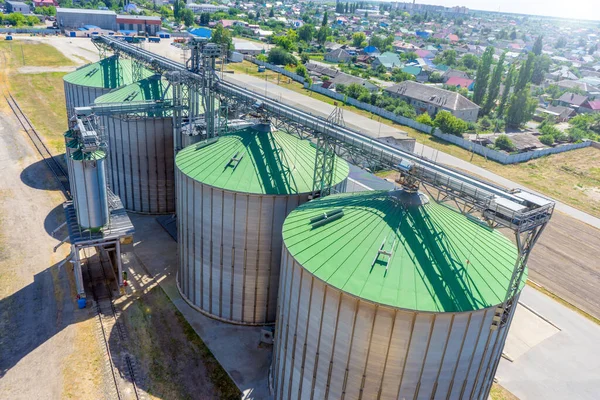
[
  {"x": 237, "y": 348},
  {"x": 527, "y": 331}
]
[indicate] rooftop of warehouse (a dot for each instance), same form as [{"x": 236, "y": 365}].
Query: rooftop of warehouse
[
  {"x": 109, "y": 73},
  {"x": 441, "y": 260},
  {"x": 84, "y": 11},
  {"x": 261, "y": 168}
]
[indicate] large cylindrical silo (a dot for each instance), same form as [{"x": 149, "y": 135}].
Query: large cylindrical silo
[
  {"x": 141, "y": 155},
  {"x": 233, "y": 194},
  {"x": 85, "y": 84},
  {"x": 89, "y": 188},
  {"x": 384, "y": 295}
]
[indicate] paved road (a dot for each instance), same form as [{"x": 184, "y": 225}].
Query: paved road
[
  {"x": 376, "y": 129},
  {"x": 551, "y": 363}
]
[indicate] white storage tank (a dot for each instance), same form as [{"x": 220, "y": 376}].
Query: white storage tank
[
  {"x": 385, "y": 295},
  {"x": 233, "y": 194},
  {"x": 89, "y": 188},
  {"x": 85, "y": 84},
  {"x": 141, "y": 157}
]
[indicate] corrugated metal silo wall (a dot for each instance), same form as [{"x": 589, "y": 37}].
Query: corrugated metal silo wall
[
  {"x": 89, "y": 184},
  {"x": 330, "y": 345},
  {"x": 141, "y": 162},
  {"x": 80, "y": 96},
  {"x": 230, "y": 249}
]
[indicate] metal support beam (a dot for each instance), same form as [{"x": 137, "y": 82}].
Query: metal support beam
[
  {"x": 324, "y": 167},
  {"x": 119, "y": 263},
  {"x": 77, "y": 271}
]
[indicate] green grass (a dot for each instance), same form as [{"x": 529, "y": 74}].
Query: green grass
[
  {"x": 31, "y": 53},
  {"x": 499, "y": 393},
  {"x": 42, "y": 99}
]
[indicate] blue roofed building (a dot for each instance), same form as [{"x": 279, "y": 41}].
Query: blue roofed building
[{"x": 201, "y": 32}]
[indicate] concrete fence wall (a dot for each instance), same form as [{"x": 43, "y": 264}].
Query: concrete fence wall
[
  {"x": 491, "y": 154},
  {"x": 30, "y": 30},
  {"x": 371, "y": 108},
  {"x": 275, "y": 68},
  {"x": 505, "y": 158}
]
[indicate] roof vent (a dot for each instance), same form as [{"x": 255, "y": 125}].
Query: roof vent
[{"x": 326, "y": 218}]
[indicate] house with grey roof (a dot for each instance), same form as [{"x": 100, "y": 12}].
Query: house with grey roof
[
  {"x": 431, "y": 99},
  {"x": 337, "y": 56},
  {"x": 571, "y": 100}
]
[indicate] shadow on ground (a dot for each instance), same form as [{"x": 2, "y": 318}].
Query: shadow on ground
[{"x": 39, "y": 176}]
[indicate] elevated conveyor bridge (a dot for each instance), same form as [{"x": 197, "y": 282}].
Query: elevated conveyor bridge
[{"x": 525, "y": 213}]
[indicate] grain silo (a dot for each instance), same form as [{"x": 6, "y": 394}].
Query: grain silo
[
  {"x": 89, "y": 188},
  {"x": 141, "y": 158},
  {"x": 385, "y": 295},
  {"x": 233, "y": 194},
  {"x": 85, "y": 84}
]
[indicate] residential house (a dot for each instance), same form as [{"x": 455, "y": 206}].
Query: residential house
[
  {"x": 453, "y": 73},
  {"x": 567, "y": 84},
  {"x": 388, "y": 59},
  {"x": 590, "y": 107},
  {"x": 17, "y": 6},
  {"x": 371, "y": 51},
  {"x": 338, "y": 56},
  {"x": 346, "y": 79},
  {"x": 571, "y": 100},
  {"x": 431, "y": 99},
  {"x": 457, "y": 82},
  {"x": 45, "y": 3},
  {"x": 559, "y": 113}
]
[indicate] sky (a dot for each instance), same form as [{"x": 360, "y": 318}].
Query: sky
[{"x": 578, "y": 9}]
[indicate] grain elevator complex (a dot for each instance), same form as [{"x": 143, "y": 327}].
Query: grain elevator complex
[{"x": 387, "y": 294}]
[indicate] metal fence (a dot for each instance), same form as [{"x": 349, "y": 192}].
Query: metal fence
[{"x": 30, "y": 30}]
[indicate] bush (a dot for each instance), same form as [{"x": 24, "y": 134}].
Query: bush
[
  {"x": 548, "y": 140},
  {"x": 503, "y": 142},
  {"x": 279, "y": 56},
  {"x": 449, "y": 124},
  {"x": 424, "y": 119},
  {"x": 406, "y": 110}
]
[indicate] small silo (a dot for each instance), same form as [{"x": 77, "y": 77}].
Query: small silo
[
  {"x": 85, "y": 84},
  {"x": 233, "y": 194},
  {"x": 384, "y": 295},
  {"x": 89, "y": 188},
  {"x": 141, "y": 158}
]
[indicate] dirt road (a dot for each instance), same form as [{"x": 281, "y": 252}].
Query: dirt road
[{"x": 47, "y": 346}]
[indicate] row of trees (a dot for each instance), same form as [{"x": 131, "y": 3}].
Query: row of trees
[
  {"x": 345, "y": 8},
  {"x": 360, "y": 93},
  {"x": 18, "y": 19}
]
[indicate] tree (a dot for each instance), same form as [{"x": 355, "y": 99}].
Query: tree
[
  {"x": 483, "y": 73},
  {"x": 204, "y": 18},
  {"x": 593, "y": 49},
  {"x": 257, "y": 15},
  {"x": 279, "y": 56},
  {"x": 525, "y": 73},
  {"x": 272, "y": 13},
  {"x": 541, "y": 65},
  {"x": 494, "y": 87},
  {"x": 187, "y": 16},
  {"x": 513, "y": 34},
  {"x": 436, "y": 77},
  {"x": 324, "y": 22},
  {"x": 503, "y": 142},
  {"x": 358, "y": 38},
  {"x": 507, "y": 84},
  {"x": 448, "y": 123},
  {"x": 165, "y": 12},
  {"x": 399, "y": 76},
  {"x": 322, "y": 34},
  {"x": 538, "y": 45},
  {"x": 548, "y": 140},
  {"x": 425, "y": 119},
  {"x": 561, "y": 42},
  {"x": 178, "y": 7},
  {"x": 520, "y": 109},
  {"x": 302, "y": 71},
  {"x": 376, "y": 41},
  {"x": 448, "y": 57},
  {"x": 306, "y": 32},
  {"x": 470, "y": 61},
  {"x": 221, "y": 36}
]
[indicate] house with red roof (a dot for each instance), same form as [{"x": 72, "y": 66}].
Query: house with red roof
[
  {"x": 45, "y": 3},
  {"x": 459, "y": 82},
  {"x": 453, "y": 38},
  {"x": 590, "y": 106}
]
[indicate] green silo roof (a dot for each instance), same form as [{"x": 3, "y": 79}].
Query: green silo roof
[
  {"x": 73, "y": 144},
  {"x": 108, "y": 73},
  {"x": 441, "y": 260},
  {"x": 88, "y": 156},
  {"x": 261, "y": 169},
  {"x": 148, "y": 89}
]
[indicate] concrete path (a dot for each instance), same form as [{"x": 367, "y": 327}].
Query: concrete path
[{"x": 556, "y": 357}]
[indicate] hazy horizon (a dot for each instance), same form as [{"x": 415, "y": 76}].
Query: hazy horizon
[{"x": 585, "y": 9}]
